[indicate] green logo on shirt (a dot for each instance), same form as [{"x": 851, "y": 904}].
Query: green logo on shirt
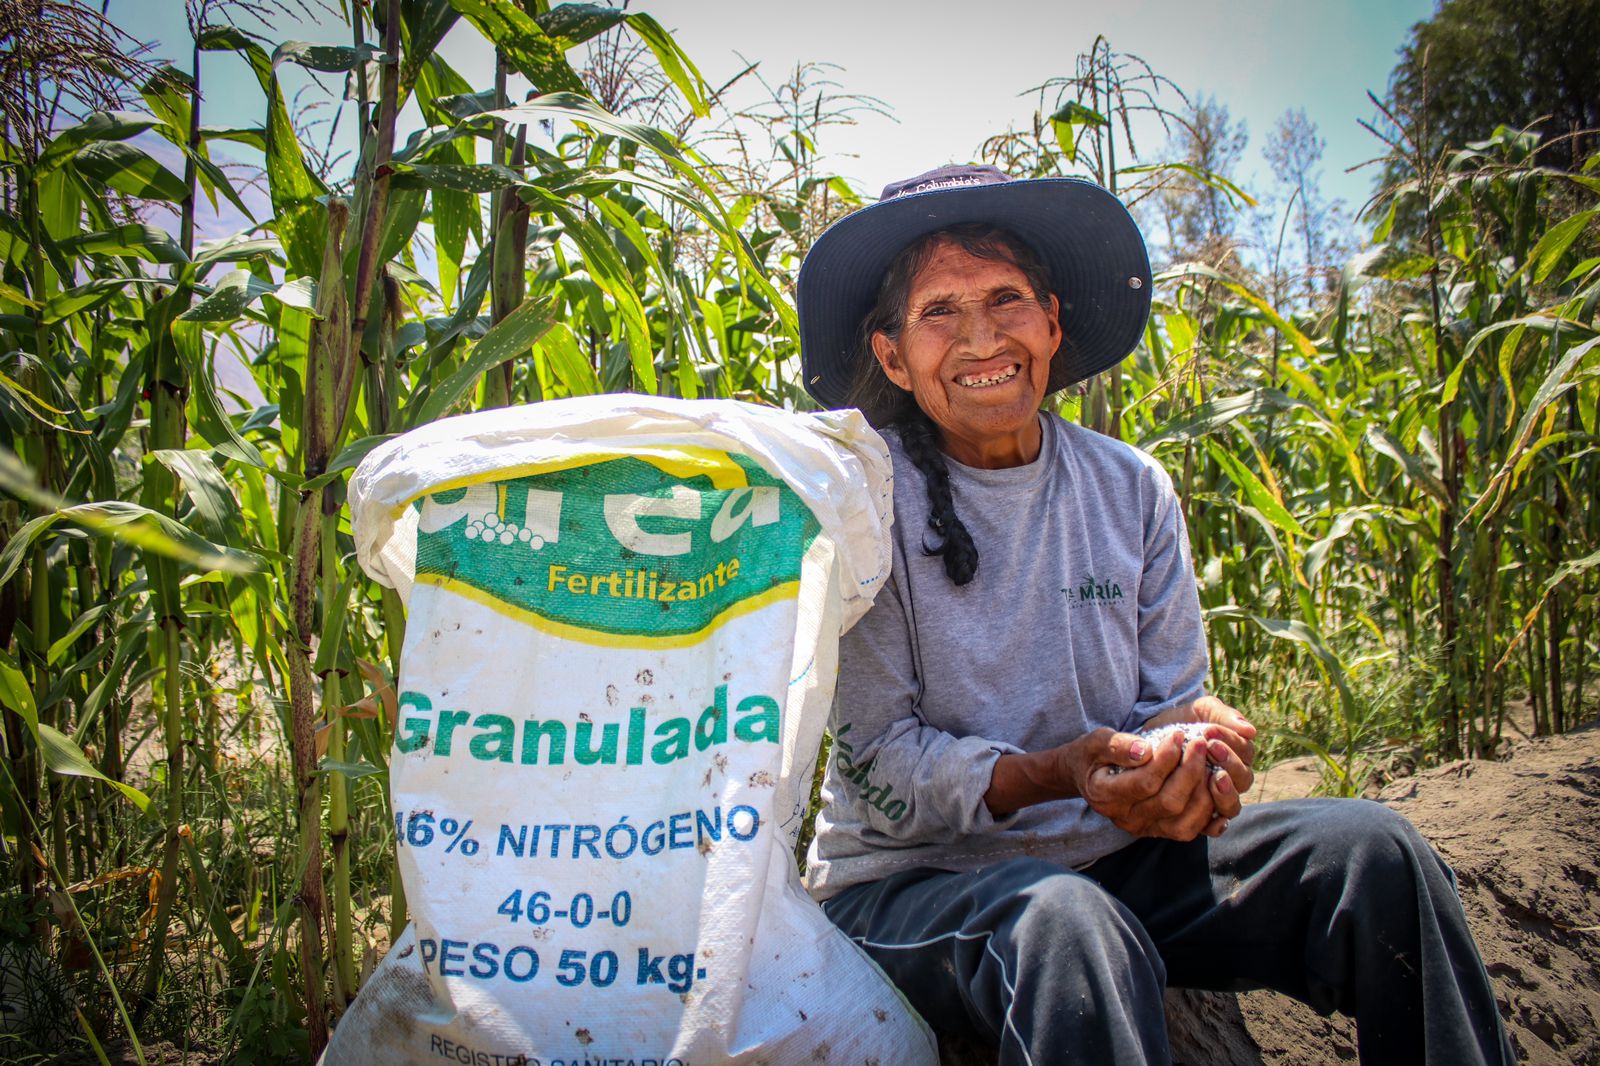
[
  {"x": 1092, "y": 592},
  {"x": 878, "y": 797}
]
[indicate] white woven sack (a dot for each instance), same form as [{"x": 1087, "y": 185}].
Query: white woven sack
[{"x": 623, "y": 623}]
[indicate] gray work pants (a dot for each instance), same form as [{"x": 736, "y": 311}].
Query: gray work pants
[{"x": 1338, "y": 903}]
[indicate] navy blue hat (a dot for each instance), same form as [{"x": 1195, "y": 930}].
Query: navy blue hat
[{"x": 1084, "y": 236}]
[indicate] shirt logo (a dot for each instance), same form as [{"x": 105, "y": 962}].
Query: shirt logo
[
  {"x": 877, "y": 796},
  {"x": 1093, "y": 592}
]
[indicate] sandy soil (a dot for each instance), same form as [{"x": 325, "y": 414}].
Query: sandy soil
[{"x": 1523, "y": 836}]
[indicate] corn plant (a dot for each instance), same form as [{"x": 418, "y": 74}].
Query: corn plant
[{"x": 1387, "y": 500}]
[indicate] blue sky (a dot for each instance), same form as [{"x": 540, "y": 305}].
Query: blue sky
[{"x": 951, "y": 74}]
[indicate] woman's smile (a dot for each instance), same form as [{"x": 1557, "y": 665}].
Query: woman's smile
[{"x": 987, "y": 379}]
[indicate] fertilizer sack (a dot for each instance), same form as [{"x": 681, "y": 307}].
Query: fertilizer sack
[{"x": 623, "y": 619}]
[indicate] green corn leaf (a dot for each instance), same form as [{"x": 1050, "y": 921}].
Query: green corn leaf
[
  {"x": 167, "y": 92},
  {"x": 572, "y": 107},
  {"x": 1077, "y": 114},
  {"x": 155, "y": 532},
  {"x": 570, "y": 25},
  {"x": 1300, "y": 633},
  {"x": 675, "y": 64},
  {"x": 405, "y": 211},
  {"x": 301, "y": 222},
  {"x": 79, "y": 627},
  {"x": 1208, "y": 417},
  {"x": 16, "y": 693},
  {"x": 209, "y": 418},
  {"x": 1537, "y": 447},
  {"x": 1236, "y": 196},
  {"x": 1508, "y": 352},
  {"x": 349, "y": 458},
  {"x": 133, "y": 637},
  {"x": 99, "y": 126},
  {"x": 1546, "y": 255},
  {"x": 475, "y": 178},
  {"x": 1261, "y": 498},
  {"x": 229, "y": 298},
  {"x": 15, "y": 295},
  {"x": 453, "y": 213},
  {"x": 249, "y": 136},
  {"x": 1066, "y": 123},
  {"x": 1301, "y": 342},
  {"x": 328, "y": 58},
  {"x": 1416, "y": 471},
  {"x": 464, "y": 104},
  {"x": 136, "y": 239},
  {"x": 425, "y": 22},
  {"x": 224, "y": 38},
  {"x": 351, "y": 770},
  {"x": 218, "y": 511},
  {"x": 463, "y": 321},
  {"x": 1318, "y": 750},
  {"x": 611, "y": 274},
  {"x": 1557, "y": 381},
  {"x": 64, "y": 757},
  {"x": 37, "y": 408},
  {"x": 1317, "y": 556},
  {"x": 334, "y": 618},
  {"x": 511, "y": 337},
  {"x": 238, "y": 249},
  {"x": 81, "y": 298},
  {"x": 560, "y": 348},
  {"x": 527, "y": 47},
  {"x": 301, "y": 294},
  {"x": 121, "y": 520},
  {"x": 427, "y": 145},
  {"x": 212, "y": 179},
  {"x": 129, "y": 171}
]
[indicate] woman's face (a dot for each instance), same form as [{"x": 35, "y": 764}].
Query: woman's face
[{"x": 975, "y": 353}]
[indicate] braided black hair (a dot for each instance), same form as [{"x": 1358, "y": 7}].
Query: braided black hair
[
  {"x": 920, "y": 438},
  {"x": 886, "y": 404}
]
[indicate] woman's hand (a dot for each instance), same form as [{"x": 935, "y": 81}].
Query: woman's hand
[
  {"x": 1174, "y": 795},
  {"x": 1224, "y": 724},
  {"x": 1168, "y": 792},
  {"x": 1178, "y": 795},
  {"x": 1063, "y": 772}
]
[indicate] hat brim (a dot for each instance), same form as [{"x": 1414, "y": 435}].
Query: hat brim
[{"x": 1085, "y": 236}]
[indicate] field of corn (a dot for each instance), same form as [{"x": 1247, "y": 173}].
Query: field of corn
[{"x": 1388, "y": 474}]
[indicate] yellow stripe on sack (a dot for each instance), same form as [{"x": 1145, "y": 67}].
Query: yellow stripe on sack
[
  {"x": 679, "y": 461},
  {"x": 785, "y": 591}
]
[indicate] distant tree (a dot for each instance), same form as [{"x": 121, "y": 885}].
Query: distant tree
[
  {"x": 1200, "y": 213},
  {"x": 1304, "y": 239},
  {"x": 1478, "y": 64}
]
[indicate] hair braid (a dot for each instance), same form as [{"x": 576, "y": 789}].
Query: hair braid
[{"x": 920, "y": 439}]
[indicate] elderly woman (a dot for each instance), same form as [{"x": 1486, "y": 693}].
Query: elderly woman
[{"x": 1026, "y": 868}]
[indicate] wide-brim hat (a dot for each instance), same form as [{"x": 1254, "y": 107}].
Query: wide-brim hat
[{"x": 1084, "y": 235}]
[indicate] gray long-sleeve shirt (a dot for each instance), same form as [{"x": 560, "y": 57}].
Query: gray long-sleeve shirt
[{"x": 1083, "y": 613}]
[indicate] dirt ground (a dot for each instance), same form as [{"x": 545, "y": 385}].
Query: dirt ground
[{"x": 1523, "y": 836}]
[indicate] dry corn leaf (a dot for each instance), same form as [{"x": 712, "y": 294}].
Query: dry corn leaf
[
  {"x": 112, "y": 875},
  {"x": 324, "y": 734},
  {"x": 382, "y": 686}
]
